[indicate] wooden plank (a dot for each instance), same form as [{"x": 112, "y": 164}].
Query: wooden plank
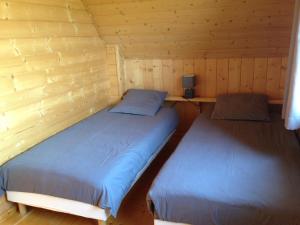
[
  {"x": 21, "y": 29},
  {"x": 73, "y": 4},
  {"x": 192, "y": 52},
  {"x": 179, "y": 68},
  {"x": 260, "y": 75},
  {"x": 283, "y": 76},
  {"x": 273, "y": 76},
  {"x": 222, "y": 76},
  {"x": 158, "y": 6},
  {"x": 28, "y": 80},
  {"x": 200, "y": 71},
  {"x": 247, "y": 75},
  {"x": 234, "y": 80},
  {"x": 168, "y": 77},
  {"x": 210, "y": 100},
  {"x": 133, "y": 76},
  {"x": 211, "y": 78},
  {"x": 188, "y": 66},
  {"x": 6, "y": 85},
  {"x": 157, "y": 74},
  {"x": 148, "y": 75},
  {"x": 195, "y": 29},
  {"x": 36, "y": 12}
]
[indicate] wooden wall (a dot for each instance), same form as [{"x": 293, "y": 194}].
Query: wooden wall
[
  {"x": 52, "y": 70},
  {"x": 195, "y": 28},
  {"x": 55, "y": 69},
  {"x": 214, "y": 76},
  {"x": 115, "y": 72},
  {"x": 6, "y": 209}
]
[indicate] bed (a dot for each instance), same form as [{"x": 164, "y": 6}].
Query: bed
[
  {"x": 230, "y": 173},
  {"x": 88, "y": 168}
]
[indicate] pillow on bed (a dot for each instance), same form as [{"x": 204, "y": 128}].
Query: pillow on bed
[
  {"x": 140, "y": 102},
  {"x": 252, "y": 107}
]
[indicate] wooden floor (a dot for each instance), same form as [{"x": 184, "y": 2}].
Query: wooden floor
[{"x": 132, "y": 212}]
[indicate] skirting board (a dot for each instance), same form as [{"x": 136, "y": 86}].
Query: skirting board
[{"x": 160, "y": 222}]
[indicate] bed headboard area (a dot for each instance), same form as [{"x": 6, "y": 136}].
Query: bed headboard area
[{"x": 214, "y": 76}]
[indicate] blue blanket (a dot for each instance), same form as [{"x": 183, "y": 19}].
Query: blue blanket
[
  {"x": 231, "y": 173},
  {"x": 95, "y": 161}
]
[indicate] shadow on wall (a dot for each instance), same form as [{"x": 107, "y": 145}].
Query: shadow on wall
[{"x": 298, "y": 135}]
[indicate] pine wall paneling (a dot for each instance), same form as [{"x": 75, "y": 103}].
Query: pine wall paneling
[
  {"x": 52, "y": 70},
  {"x": 115, "y": 72},
  {"x": 159, "y": 29},
  {"x": 214, "y": 76},
  {"x": 55, "y": 68}
]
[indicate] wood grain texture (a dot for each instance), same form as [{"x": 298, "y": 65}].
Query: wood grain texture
[
  {"x": 115, "y": 72},
  {"x": 195, "y": 28},
  {"x": 6, "y": 209},
  {"x": 52, "y": 71},
  {"x": 214, "y": 76}
]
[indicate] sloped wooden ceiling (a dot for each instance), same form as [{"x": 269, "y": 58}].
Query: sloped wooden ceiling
[{"x": 195, "y": 28}]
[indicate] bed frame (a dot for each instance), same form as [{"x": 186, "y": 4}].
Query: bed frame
[
  {"x": 77, "y": 208},
  {"x": 160, "y": 222}
]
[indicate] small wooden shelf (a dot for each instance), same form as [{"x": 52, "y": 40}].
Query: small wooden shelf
[
  {"x": 203, "y": 100},
  {"x": 181, "y": 99}
]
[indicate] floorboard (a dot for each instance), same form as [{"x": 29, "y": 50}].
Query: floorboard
[{"x": 132, "y": 212}]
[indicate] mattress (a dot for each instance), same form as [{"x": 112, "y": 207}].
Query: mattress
[
  {"x": 231, "y": 173},
  {"x": 95, "y": 161}
]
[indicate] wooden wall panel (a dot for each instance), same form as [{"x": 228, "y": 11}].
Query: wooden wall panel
[
  {"x": 234, "y": 79},
  {"x": 200, "y": 68},
  {"x": 115, "y": 72},
  {"x": 247, "y": 75},
  {"x": 211, "y": 78},
  {"x": 273, "y": 77},
  {"x": 195, "y": 28},
  {"x": 260, "y": 75},
  {"x": 52, "y": 71},
  {"x": 214, "y": 76},
  {"x": 222, "y": 76}
]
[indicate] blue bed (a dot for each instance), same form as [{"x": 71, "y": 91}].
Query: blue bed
[
  {"x": 95, "y": 161},
  {"x": 231, "y": 173}
]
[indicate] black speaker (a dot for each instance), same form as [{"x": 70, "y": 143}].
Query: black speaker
[{"x": 188, "y": 84}]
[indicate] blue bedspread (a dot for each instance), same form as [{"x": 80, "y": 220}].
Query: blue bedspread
[
  {"x": 231, "y": 173},
  {"x": 95, "y": 161}
]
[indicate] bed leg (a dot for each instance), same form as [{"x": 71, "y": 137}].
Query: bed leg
[
  {"x": 22, "y": 209},
  {"x": 101, "y": 222}
]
